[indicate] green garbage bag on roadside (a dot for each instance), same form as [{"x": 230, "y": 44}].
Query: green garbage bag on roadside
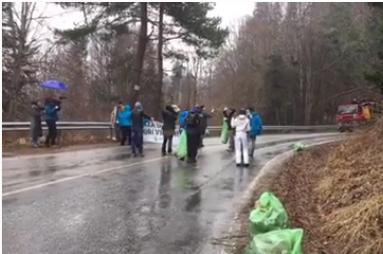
[
  {"x": 269, "y": 214},
  {"x": 182, "y": 148},
  {"x": 299, "y": 147},
  {"x": 285, "y": 241},
  {"x": 224, "y": 132}
]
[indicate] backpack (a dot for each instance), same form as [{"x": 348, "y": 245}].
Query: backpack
[{"x": 183, "y": 116}]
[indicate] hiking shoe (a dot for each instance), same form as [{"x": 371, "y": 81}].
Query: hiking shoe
[{"x": 191, "y": 161}]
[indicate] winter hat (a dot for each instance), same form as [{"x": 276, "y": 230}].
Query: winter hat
[
  {"x": 242, "y": 111},
  {"x": 138, "y": 106},
  {"x": 176, "y": 108},
  {"x": 195, "y": 110}
]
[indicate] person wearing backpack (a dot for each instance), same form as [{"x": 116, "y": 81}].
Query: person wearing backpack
[
  {"x": 241, "y": 123},
  {"x": 193, "y": 131},
  {"x": 255, "y": 129}
]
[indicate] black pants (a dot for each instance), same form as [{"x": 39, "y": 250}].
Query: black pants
[
  {"x": 126, "y": 133},
  {"x": 193, "y": 141},
  {"x": 137, "y": 141},
  {"x": 52, "y": 133},
  {"x": 169, "y": 140},
  {"x": 202, "y": 137}
]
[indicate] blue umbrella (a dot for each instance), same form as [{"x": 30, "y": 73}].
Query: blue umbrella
[{"x": 54, "y": 84}]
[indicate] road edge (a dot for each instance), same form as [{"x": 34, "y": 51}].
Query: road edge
[{"x": 262, "y": 181}]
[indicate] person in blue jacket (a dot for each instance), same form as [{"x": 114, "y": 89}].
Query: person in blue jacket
[
  {"x": 255, "y": 128},
  {"x": 182, "y": 118},
  {"x": 124, "y": 117},
  {"x": 51, "y": 107}
]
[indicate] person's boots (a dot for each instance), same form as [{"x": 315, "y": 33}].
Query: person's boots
[
  {"x": 47, "y": 143},
  {"x": 191, "y": 160}
]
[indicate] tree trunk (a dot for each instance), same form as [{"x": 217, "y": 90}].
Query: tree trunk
[
  {"x": 308, "y": 99},
  {"x": 159, "y": 54},
  {"x": 141, "y": 47}
]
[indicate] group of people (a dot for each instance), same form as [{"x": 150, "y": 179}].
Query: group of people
[
  {"x": 49, "y": 112},
  {"x": 129, "y": 126},
  {"x": 244, "y": 127}
]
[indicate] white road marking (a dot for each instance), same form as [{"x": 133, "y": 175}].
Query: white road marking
[
  {"x": 33, "y": 187},
  {"x": 37, "y": 186}
]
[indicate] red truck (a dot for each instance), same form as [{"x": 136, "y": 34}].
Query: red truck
[{"x": 349, "y": 116}]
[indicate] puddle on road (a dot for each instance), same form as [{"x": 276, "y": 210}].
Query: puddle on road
[
  {"x": 193, "y": 201},
  {"x": 35, "y": 173}
]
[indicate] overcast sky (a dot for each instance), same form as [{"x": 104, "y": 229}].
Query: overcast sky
[{"x": 230, "y": 11}]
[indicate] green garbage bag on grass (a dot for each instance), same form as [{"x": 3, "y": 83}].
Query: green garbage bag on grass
[
  {"x": 182, "y": 148},
  {"x": 269, "y": 214},
  {"x": 224, "y": 132},
  {"x": 285, "y": 241}
]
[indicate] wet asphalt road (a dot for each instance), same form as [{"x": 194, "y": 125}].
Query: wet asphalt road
[{"x": 104, "y": 201}]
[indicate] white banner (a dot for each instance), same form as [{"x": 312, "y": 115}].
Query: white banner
[{"x": 153, "y": 133}]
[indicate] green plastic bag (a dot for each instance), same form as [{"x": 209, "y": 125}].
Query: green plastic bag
[
  {"x": 224, "y": 132},
  {"x": 182, "y": 148},
  {"x": 299, "y": 147},
  {"x": 285, "y": 241},
  {"x": 268, "y": 215}
]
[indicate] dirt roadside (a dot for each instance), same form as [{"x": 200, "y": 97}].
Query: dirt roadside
[{"x": 334, "y": 192}]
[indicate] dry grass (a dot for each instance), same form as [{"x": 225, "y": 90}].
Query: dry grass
[{"x": 335, "y": 193}]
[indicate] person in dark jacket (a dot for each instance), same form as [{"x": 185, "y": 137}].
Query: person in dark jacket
[
  {"x": 227, "y": 116},
  {"x": 169, "y": 118},
  {"x": 193, "y": 132},
  {"x": 138, "y": 116},
  {"x": 36, "y": 129},
  {"x": 52, "y": 106},
  {"x": 124, "y": 118},
  {"x": 204, "y": 118}
]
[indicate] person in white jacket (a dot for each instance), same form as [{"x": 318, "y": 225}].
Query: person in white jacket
[
  {"x": 241, "y": 124},
  {"x": 114, "y": 122}
]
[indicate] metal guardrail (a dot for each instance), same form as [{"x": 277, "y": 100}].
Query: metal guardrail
[
  {"x": 288, "y": 127},
  {"x": 22, "y": 126}
]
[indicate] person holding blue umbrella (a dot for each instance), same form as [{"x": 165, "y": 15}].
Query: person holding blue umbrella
[{"x": 51, "y": 108}]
